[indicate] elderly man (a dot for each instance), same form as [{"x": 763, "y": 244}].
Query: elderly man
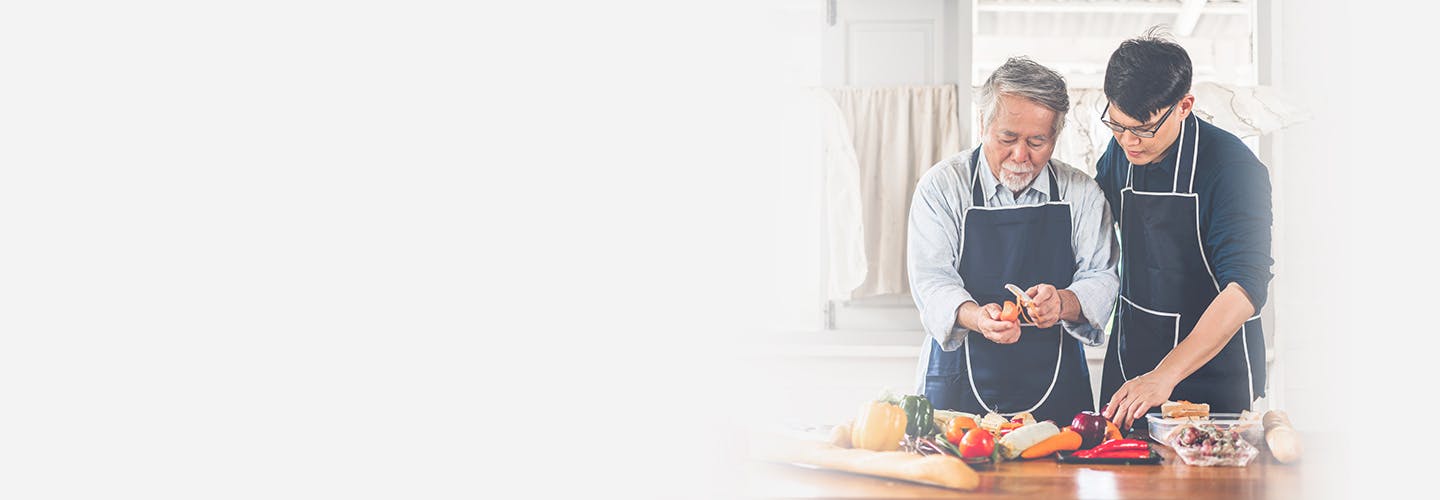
[{"x": 1006, "y": 213}]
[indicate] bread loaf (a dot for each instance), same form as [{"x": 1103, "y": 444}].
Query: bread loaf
[
  {"x": 938, "y": 470},
  {"x": 1280, "y": 437},
  {"x": 1179, "y": 409}
]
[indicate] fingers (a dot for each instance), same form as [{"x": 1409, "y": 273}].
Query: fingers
[
  {"x": 1046, "y": 315},
  {"x": 1011, "y": 331},
  {"x": 990, "y": 311},
  {"x": 1122, "y": 412},
  {"x": 1140, "y": 410},
  {"x": 998, "y": 331},
  {"x": 1042, "y": 293},
  {"x": 1115, "y": 400},
  {"x": 1046, "y": 310},
  {"x": 1001, "y": 332}
]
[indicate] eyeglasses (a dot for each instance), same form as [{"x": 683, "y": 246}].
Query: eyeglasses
[{"x": 1143, "y": 134}]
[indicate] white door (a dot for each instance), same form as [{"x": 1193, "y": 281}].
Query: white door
[{"x": 896, "y": 42}]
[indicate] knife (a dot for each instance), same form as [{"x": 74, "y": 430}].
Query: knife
[{"x": 1019, "y": 294}]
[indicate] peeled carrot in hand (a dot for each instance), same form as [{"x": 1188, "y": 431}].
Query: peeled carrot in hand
[
  {"x": 1066, "y": 440},
  {"x": 1010, "y": 312}
]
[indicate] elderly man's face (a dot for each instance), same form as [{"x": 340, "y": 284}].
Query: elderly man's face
[{"x": 1019, "y": 141}]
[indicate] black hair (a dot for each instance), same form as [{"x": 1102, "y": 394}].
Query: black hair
[{"x": 1147, "y": 74}]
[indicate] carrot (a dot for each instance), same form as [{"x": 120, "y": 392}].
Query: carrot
[
  {"x": 1010, "y": 312},
  {"x": 1066, "y": 440}
]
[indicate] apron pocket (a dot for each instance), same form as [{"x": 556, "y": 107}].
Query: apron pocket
[{"x": 1145, "y": 337}]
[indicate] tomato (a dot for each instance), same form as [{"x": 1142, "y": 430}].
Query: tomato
[
  {"x": 977, "y": 443},
  {"x": 1010, "y": 312},
  {"x": 958, "y": 427}
]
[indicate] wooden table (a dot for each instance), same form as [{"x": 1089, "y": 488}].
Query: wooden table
[{"x": 1046, "y": 479}]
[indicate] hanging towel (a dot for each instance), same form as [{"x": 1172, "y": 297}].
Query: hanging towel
[{"x": 896, "y": 134}]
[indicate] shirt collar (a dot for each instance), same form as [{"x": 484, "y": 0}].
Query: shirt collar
[{"x": 990, "y": 185}]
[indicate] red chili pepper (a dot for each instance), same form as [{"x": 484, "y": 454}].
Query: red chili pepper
[
  {"x": 1115, "y": 445},
  {"x": 1123, "y": 444},
  {"x": 1119, "y": 454}
]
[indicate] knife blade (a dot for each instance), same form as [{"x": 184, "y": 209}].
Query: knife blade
[{"x": 1019, "y": 294}]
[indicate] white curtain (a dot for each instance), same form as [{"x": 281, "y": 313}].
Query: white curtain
[{"x": 894, "y": 135}]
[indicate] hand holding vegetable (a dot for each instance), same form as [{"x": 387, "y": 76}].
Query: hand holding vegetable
[
  {"x": 1137, "y": 396},
  {"x": 988, "y": 321}
]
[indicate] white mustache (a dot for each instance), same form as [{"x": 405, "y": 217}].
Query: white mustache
[
  {"x": 1018, "y": 168},
  {"x": 1017, "y": 176}
]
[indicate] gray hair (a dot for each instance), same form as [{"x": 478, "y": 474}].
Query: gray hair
[{"x": 1022, "y": 77}]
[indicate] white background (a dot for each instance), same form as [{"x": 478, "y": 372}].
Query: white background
[{"x": 429, "y": 250}]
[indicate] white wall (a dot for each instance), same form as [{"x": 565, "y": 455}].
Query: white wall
[{"x": 1359, "y": 224}]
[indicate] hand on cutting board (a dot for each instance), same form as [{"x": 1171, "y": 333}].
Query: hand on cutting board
[
  {"x": 1135, "y": 397},
  {"x": 989, "y": 324},
  {"x": 1046, "y": 308}
]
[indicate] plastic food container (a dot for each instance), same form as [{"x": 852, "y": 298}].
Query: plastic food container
[
  {"x": 1251, "y": 430},
  {"x": 1206, "y": 444}
]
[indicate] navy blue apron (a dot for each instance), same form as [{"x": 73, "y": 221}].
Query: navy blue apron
[
  {"x": 1044, "y": 372},
  {"x": 1165, "y": 286}
]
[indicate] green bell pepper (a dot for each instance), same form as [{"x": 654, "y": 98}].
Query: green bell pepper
[{"x": 919, "y": 415}]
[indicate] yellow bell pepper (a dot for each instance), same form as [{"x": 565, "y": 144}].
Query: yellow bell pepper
[{"x": 880, "y": 427}]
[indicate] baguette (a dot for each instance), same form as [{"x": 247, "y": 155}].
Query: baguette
[
  {"x": 935, "y": 470},
  {"x": 1281, "y": 438}
]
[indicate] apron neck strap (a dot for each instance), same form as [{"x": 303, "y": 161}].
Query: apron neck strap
[
  {"x": 1187, "y": 152},
  {"x": 1054, "y": 185},
  {"x": 1189, "y": 145},
  {"x": 978, "y": 195}
]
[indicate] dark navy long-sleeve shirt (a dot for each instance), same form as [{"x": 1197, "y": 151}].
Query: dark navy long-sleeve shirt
[{"x": 1233, "y": 189}]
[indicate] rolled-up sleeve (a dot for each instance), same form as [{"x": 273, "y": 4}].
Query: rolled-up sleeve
[
  {"x": 932, "y": 249},
  {"x": 1097, "y": 254},
  {"x": 1238, "y": 237}
]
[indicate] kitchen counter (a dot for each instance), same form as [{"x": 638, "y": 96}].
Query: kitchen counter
[{"x": 1046, "y": 478}]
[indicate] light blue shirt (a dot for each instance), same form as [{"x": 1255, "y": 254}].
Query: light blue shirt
[{"x": 933, "y": 246}]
